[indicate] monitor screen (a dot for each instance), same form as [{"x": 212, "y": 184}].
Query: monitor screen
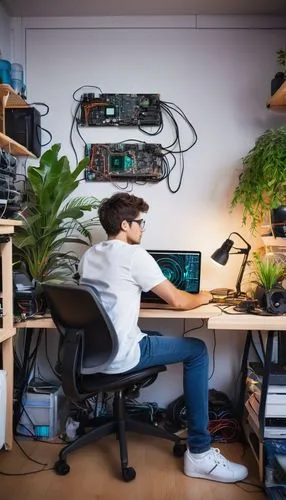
[{"x": 182, "y": 268}]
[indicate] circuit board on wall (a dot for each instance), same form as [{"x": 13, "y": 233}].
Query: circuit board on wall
[
  {"x": 120, "y": 109},
  {"x": 123, "y": 161}
]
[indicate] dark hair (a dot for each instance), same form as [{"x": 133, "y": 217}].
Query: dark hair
[{"x": 119, "y": 207}]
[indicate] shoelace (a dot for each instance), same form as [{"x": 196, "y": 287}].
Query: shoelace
[{"x": 219, "y": 458}]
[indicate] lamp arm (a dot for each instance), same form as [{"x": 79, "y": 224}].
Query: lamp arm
[
  {"x": 241, "y": 271},
  {"x": 245, "y": 252},
  {"x": 247, "y": 244}
]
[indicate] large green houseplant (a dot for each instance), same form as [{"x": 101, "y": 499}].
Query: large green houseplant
[
  {"x": 262, "y": 182},
  {"x": 52, "y": 219}
]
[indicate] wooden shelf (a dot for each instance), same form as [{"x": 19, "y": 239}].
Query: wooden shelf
[
  {"x": 270, "y": 241},
  {"x": 10, "y": 98},
  {"x": 278, "y": 100},
  {"x": 14, "y": 147}
]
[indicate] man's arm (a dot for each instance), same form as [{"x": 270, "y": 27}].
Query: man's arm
[{"x": 180, "y": 299}]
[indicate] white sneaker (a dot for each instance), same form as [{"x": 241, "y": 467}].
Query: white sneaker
[{"x": 213, "y": 466}]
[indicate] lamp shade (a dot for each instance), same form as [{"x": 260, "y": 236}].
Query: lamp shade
[{"x": 221, "y": 254}]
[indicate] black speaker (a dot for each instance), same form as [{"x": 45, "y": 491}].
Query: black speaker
[
  {"x": 24, "y": 126},
  {"x": 272, "y": 301}
]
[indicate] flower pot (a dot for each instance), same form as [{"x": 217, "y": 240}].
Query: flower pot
[{"x": 278, "y": 221}]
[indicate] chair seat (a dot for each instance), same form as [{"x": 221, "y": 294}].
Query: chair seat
[{"x": 111, "y": 383}]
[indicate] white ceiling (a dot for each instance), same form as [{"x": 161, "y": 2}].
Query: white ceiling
[{"x": 43, "y": 8}]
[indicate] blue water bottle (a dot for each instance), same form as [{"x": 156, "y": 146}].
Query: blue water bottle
[
  {"x": 17, "y": 80},
  {"x": 5, "y": 72}
]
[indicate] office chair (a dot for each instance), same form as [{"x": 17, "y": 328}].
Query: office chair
[{"x": 88, "y": 345}]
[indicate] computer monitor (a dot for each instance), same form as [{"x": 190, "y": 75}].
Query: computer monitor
[{"x": 182, "y": 268}]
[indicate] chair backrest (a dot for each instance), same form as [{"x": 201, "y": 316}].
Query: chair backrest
[{"x": 89, "y": 336}]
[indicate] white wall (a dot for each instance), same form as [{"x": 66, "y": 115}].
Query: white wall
[
  {"x": 218, "y": 70},
  {"x": 5, "y": 33}
]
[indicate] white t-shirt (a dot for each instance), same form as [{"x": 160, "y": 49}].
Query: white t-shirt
[{"x": 120, "y": 271}]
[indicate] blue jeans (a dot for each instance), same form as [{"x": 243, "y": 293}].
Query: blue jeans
[{"x": 157, "y": 349}]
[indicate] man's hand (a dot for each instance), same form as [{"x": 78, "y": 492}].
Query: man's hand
[
  {"x": 206, "y": 296},
  {"x": 178, "y": 299}
]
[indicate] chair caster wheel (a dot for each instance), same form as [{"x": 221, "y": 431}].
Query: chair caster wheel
[
  {"x": 179, "y": 450},
  {"x": 61, "y": 468},
  {"x": 128, "y": 474}
]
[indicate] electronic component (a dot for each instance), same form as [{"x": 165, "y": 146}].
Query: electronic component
[
  {"x": 24, "y": 126},
  {"x": 141, "y": 161},
  {"x": 120, "y": 109}
]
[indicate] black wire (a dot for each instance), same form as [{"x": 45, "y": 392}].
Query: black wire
[
  {"x": 41, "y": 104},
  {"x": 85, "y": 87},
  {"x": 194, "y": 328},
  {"x": 25, "y": 473},
  {"x": 71, "y": 130},
  {"x": 177, "y": 109},
  {"x": 26, "y": 455},
  {"x": 224, "y": 310},
  {"x": 47, "y": 356},
  {"x": 39, "y": 139}
]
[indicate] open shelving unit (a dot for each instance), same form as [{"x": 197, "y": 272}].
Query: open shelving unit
[
  {"x": 7, "y": 328},
  {"x": 10, "y": 99}
]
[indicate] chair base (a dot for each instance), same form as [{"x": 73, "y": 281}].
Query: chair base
[{"x": 119, "y": 426}]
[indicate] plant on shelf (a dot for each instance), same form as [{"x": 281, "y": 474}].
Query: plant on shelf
[
  {"x": 262, "y": 182},
  {"x": 53, "y": 219},
  {"x": 281, "y": 59}
]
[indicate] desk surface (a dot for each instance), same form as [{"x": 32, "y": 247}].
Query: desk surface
[
  {"x": 202, "y": 312},
  {"x": 246, "y": 322},
  {"x": 217, "y": 320}
]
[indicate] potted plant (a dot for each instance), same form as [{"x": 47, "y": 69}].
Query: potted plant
[
  {"x": 280, "y": 77},
  {"x": 262, "y": 183},
  {"x": 52, "y": 219},
  {"x": 269, "y": 274}
]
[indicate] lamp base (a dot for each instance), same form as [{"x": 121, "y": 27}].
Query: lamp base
[{"x": 222, "y": 292}]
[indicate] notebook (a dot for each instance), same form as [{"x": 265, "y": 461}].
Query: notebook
[{"x": 182, "y": 268}]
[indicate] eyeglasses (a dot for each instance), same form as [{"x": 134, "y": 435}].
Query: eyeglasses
[{"x": 141, "y": 223}]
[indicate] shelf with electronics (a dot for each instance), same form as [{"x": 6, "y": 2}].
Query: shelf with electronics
[
  {"x": 7, "y": 328},
  {"x": 10, "y": 99}
]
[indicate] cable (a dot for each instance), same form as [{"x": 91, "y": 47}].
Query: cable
[
  {"x": 47, "y": 356},
  {"x": 25, "y": 473},
  {"x": 41, "y": 104},
  {"x": 194, "y": 328},
  {"x": 26, "y": 455}
]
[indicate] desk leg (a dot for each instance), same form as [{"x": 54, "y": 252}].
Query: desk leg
[
  {"x": 8, "y": 366},
  {"x": 265, "y": 382},
  {"x": 243, "y": 371}
]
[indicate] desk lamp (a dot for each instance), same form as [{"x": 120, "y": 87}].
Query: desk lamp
[{"x": 221, "y": 257}]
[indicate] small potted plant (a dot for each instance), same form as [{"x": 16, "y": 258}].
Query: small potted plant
[
  {"x": 269, "y": 273},
  {"x": 280, "y": 77},
  {"x": 261, "y": 188}
]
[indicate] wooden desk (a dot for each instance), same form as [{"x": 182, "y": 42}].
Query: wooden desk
[
  {"x": 202, "y": 312},
  {"x": 247, "y": 322}
]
